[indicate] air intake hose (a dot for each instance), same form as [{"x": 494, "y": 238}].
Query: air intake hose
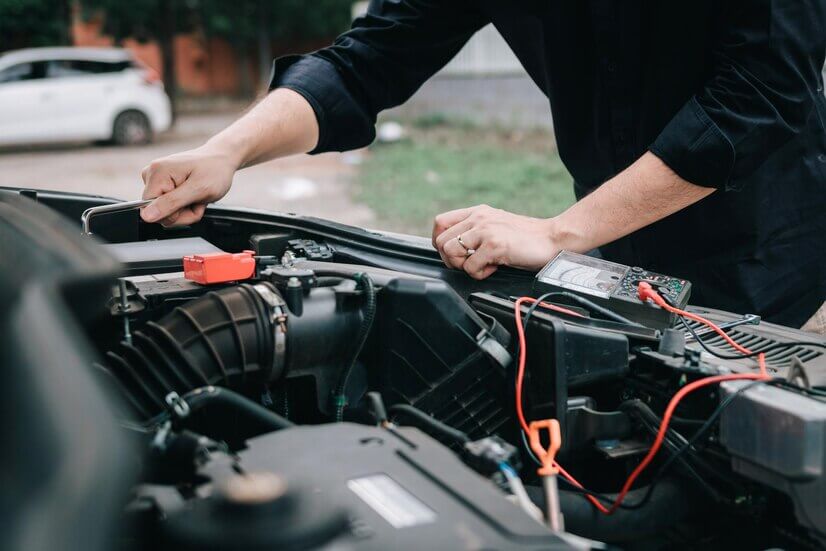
[{"x": 234, "y": 337}]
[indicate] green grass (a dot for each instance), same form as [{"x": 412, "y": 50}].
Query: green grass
[{"x": 443, "y": 166}]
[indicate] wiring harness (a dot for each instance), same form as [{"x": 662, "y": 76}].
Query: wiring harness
[{"x": 646, "y": 293}]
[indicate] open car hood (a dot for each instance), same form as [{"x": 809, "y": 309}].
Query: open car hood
[{"x": 144, "y": 409}]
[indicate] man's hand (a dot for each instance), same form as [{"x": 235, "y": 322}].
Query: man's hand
[
  {"x": 497, "y": 237},
  {"x": 283, "y": 123},
  {"x": 643, "y": 193},
  {"x": 183, "y": 184}
]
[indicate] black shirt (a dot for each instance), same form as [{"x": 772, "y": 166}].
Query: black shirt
[{"x": 729, "y": 94}]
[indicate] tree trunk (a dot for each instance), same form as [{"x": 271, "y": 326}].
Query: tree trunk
[
  {"x": 244, "y": 69},
  {"x": 166, "y": 41},
  {"x": 264, "y": 44},
  {"x": 66, "y": 16}
]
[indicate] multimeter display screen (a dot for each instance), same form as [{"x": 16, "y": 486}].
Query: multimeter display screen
[{"x": 585, "y": 274}]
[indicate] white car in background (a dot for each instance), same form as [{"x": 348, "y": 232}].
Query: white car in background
[{"x": 73, "y": 94}]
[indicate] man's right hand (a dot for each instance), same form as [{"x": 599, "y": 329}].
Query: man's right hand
[
  {"x": 283, "y": 123},
  {"x": 183, "y": 184}
]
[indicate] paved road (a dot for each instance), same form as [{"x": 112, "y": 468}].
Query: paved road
[{"x": 313, "y": 185}]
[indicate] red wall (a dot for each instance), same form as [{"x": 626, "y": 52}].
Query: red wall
[{"x": 202, "y": 66}]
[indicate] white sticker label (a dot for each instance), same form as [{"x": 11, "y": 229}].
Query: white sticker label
[{"x": 395, "y": 504}]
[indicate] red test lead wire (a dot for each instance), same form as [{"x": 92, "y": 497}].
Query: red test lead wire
[
  {"x": 646, "y": 292},
  {"x": 520, "y": 375}
]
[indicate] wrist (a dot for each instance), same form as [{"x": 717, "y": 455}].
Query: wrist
[
  {"x": 228, "y": 150},
  {"x": 565, "y": 235}
]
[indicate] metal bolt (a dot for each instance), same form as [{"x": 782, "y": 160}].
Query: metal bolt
[{"x": 124, "y": 308}]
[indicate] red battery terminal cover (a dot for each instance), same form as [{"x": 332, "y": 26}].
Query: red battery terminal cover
[{"x": 219, "y": 267}]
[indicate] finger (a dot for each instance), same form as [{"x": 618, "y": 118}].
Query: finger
[
  {"x": 170, "y": 220},
  {"x": 450, "y": 234},
  {"x": 156, "y": 184},
  {"x": 185, "y": 216},
  {"x": 167, "y": 204},
  {"x": 486, "y": 272},
  {"x": 454, "y": 254},
  {"x": 454, "y": 231},
  {"x": 448, "y": 219},
  {"x": 481, "y": 264}
]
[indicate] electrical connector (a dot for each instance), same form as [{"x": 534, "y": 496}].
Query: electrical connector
[{"x": 486, "y": 455}]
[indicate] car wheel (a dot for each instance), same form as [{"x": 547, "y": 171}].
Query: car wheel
[{"x": 131, "y": 128}]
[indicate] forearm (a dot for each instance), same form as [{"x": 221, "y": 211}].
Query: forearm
[
  {"x": 642, "y": 194},
  {"x": 281, "y": 124}
]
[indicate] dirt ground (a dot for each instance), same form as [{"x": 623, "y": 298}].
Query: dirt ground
[{"x": 312, "y": 185}]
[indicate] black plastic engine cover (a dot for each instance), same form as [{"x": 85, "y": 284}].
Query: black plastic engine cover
[{"x": 401, "y": 488}]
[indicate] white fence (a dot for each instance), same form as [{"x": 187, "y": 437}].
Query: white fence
[{"x": 486, "y": 53}]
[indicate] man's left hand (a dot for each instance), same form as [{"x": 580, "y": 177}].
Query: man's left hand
[{"x": 491, "y": 238}]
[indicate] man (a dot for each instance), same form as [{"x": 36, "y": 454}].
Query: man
[{"x": 695, "y": 132}]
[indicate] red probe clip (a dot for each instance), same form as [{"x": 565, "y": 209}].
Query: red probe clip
[
  {"x": 546, "y": 456},
  {"x": 646, "y": 292},
  {"x": 549, "y": 468},
  {"x": 219, "y": 267}
]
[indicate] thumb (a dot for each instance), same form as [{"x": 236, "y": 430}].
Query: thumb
[{"x": 169, "y": 203}]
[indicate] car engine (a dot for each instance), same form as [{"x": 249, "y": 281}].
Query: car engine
[{"x": 257, "y": 382}]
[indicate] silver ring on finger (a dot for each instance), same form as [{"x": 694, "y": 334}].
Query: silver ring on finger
[{"x": 468, "y": 250}]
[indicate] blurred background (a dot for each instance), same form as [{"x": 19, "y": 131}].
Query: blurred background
[{"x": 93, "y": 90}]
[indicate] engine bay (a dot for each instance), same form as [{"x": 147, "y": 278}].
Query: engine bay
[{"x": 280, "y": 383}]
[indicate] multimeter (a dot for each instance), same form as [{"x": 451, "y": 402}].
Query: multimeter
[{"x": 613, "y": 286}]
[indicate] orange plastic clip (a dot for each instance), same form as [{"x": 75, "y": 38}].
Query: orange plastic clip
[
  {"x": 219, "y": 267},
  {"x": 546, "y": 456}
]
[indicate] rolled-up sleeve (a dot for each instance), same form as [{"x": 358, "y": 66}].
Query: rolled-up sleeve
[
  {"x": 378, "y": 64},
  {"x": 763, "y": 89}
]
